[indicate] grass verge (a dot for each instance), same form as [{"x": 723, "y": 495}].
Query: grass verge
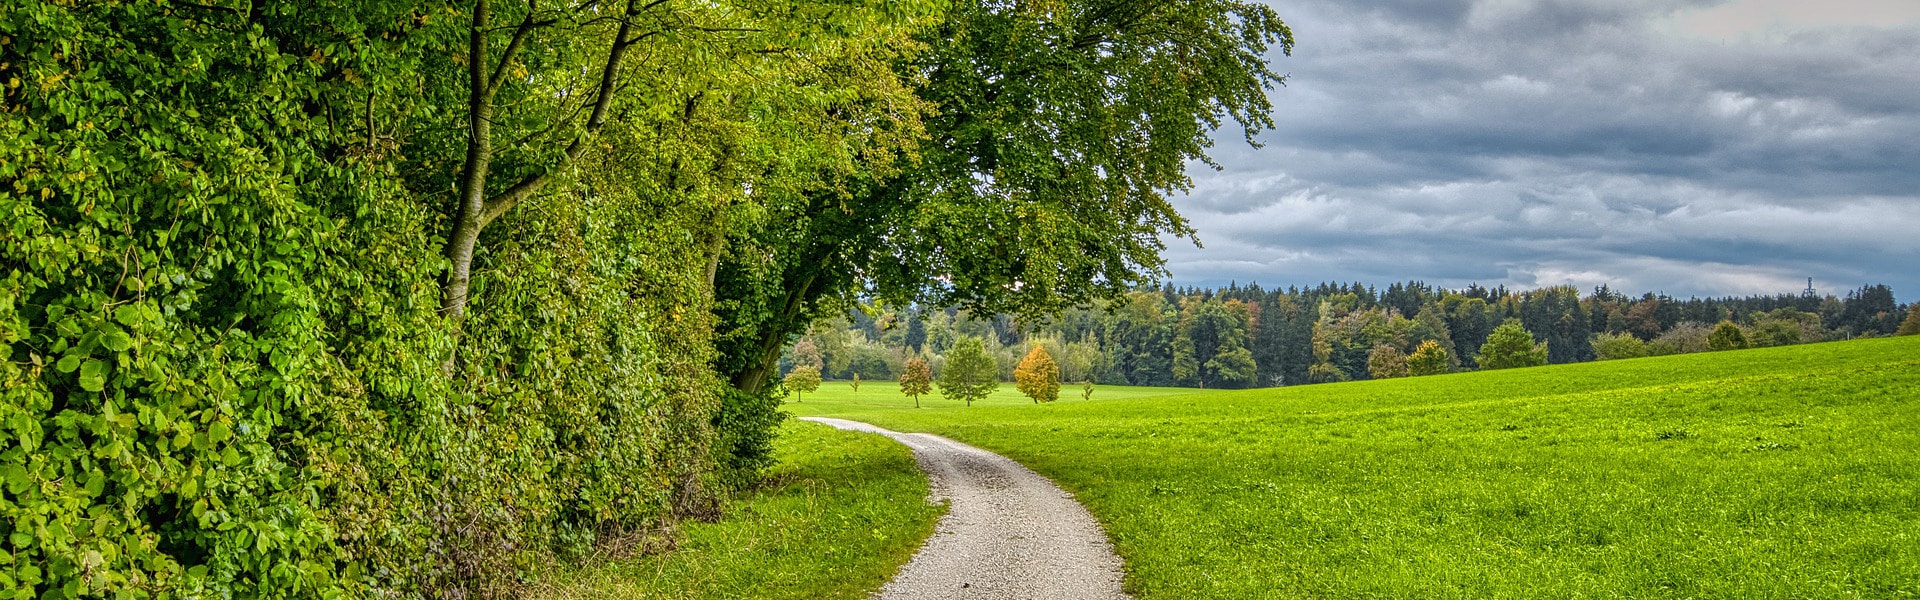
[
  {"x": 1772, "y": 473},
  {"x": 844, "y": 511}
]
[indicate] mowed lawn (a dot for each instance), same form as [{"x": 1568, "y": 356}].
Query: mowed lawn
[{"x": 1771, "y": 473}]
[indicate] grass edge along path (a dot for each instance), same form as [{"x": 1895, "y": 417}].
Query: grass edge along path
[
  {"x": 1771, "y": 473},
  {"x": 843, "y": 512}
]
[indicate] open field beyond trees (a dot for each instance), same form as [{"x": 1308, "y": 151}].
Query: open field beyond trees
[{"x": 1771, "y": 473}]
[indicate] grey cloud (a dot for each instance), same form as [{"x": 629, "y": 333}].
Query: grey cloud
[{"x": 1570, "y": 142}]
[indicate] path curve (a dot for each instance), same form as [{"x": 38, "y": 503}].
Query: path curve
[{"x": 1009, "y": 534}]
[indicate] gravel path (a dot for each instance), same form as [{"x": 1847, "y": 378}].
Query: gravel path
[{"x": 1009, "y": 534}]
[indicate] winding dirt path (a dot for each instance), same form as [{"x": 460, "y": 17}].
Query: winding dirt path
[{"x": 1009, "y": 534}]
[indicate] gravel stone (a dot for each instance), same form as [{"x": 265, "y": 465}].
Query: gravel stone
[{"x": 1009, "y": 534}]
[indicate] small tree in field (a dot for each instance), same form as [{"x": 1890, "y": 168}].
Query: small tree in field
[
  {"x": 856, "y": 383},
  {"x": 1086, "y": 390},
  {"x": 916, "y": 378},
  {"x": 1510, "y": 346},
  {"x": 803, "y": 379},
  {"x": 1386, "y": 362},
  {"x": 1038, "y": 376},
  {"x": 1429, "y": 359},
  {"x": 1911, "y": 326},
  {"x": 970, "y": 373},
  {"x": 1726, "y": 336}
]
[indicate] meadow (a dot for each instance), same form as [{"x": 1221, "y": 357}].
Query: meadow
[{"x": 1770, "y": 473}]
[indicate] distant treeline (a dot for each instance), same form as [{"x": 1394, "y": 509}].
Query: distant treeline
[{"x": 1248, "y": 336}]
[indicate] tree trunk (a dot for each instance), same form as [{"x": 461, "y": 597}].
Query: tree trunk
[{"x": 473, "y": 174}]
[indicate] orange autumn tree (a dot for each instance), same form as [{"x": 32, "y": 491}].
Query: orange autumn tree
[{"x": 1038, "y": 376}]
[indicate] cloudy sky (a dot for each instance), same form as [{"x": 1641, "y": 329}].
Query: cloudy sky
[{"x": 1693, "y": 147}]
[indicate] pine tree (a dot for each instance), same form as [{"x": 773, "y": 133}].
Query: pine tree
[{"x": 1038, "y": 376}]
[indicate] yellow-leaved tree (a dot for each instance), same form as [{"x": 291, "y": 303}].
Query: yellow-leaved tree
[{"x": 1038, "y": 376}]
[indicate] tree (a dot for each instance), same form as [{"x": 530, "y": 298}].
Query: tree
[
  {"x": 1511, "y": 346},
  {"x": 970, "y": 373},
  {"x": 855, "y": 384},
  {"x": 1618, "y": 346},
  {"x": 1086, "y": 390},
  {"x": 1910, "y": 326},
  {"x": 1726, "y": 336},
  {"x": 1387, "y": 362},
  {"x": 916, "y": 378},
  {"x": 1038, "y": 376},
  {"x": 1429, "y": 359},
  {"x": 803, "y": 379},
  {"x": 1056, "y": 133}
]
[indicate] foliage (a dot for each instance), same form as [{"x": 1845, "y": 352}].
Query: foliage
[
  {"x": 1726, "y": 336},
  {"x": 803, "y": 379},
  {"x": 1387, "y": 362},
  {"x": 839, "y": 516},
  {"x": 1429, "y": 359},
  {"x": 1619, "y": 346},
  {"x": 1510, "y": 346},
  {"x": 1483, "y": 485},
  {"x": 916, "y": 380},
  {"x": 1054, "y": 133},
  {"x": 969, "y": 373},
  {"x": 1910, "y": 326},
  {"x": 1038, "y": 377},
  {"x": 226, "y": 230},
  {"x": 1086, "y": 390}
]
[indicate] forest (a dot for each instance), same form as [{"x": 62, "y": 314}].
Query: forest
[
  {"x": 346, "y": 298},
  {"x": 1247, "y": 336}
]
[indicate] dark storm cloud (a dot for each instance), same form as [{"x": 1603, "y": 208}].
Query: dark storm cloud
[{"x": 1544, "y": 142}]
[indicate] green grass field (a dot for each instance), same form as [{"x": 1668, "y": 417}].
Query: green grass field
[
  {"x": 843, "y": 512},
  {"x": 1778, "y": 473}
]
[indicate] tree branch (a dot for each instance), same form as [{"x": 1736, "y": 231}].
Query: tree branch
[{"x": 609, "y": 80}]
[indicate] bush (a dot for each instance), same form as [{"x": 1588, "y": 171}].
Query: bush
[
  {"x": 1386, "y": 362},
  {"x": 1619, "y": 346},
  {"x": 1511, "y": 346},
  {"x": 1429, "y": 359},
  {"x": 1726, "y": 336}
]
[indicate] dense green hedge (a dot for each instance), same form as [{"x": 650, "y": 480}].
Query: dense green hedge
[{"x": 225, "y": 371}]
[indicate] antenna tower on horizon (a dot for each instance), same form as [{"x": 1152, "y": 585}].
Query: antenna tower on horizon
[{"x": 1809, "y": 293}]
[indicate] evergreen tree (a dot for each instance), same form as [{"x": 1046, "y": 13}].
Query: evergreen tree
[
  {"x": 1511, "y": 346},
  {"x": 970, "y": 373}
]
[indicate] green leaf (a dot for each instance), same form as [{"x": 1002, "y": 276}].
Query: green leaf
[
  {"x": 93, "y": 375},
  {"x": 68, "y": 363},
  {"x": 116, "y": 340},
  {"x": 219, "y": 432}
]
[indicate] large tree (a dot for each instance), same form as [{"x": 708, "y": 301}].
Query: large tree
[{"x": 1060, "y": 129}]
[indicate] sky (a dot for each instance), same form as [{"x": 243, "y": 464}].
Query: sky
[{"x": 1696, "y": 148}]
